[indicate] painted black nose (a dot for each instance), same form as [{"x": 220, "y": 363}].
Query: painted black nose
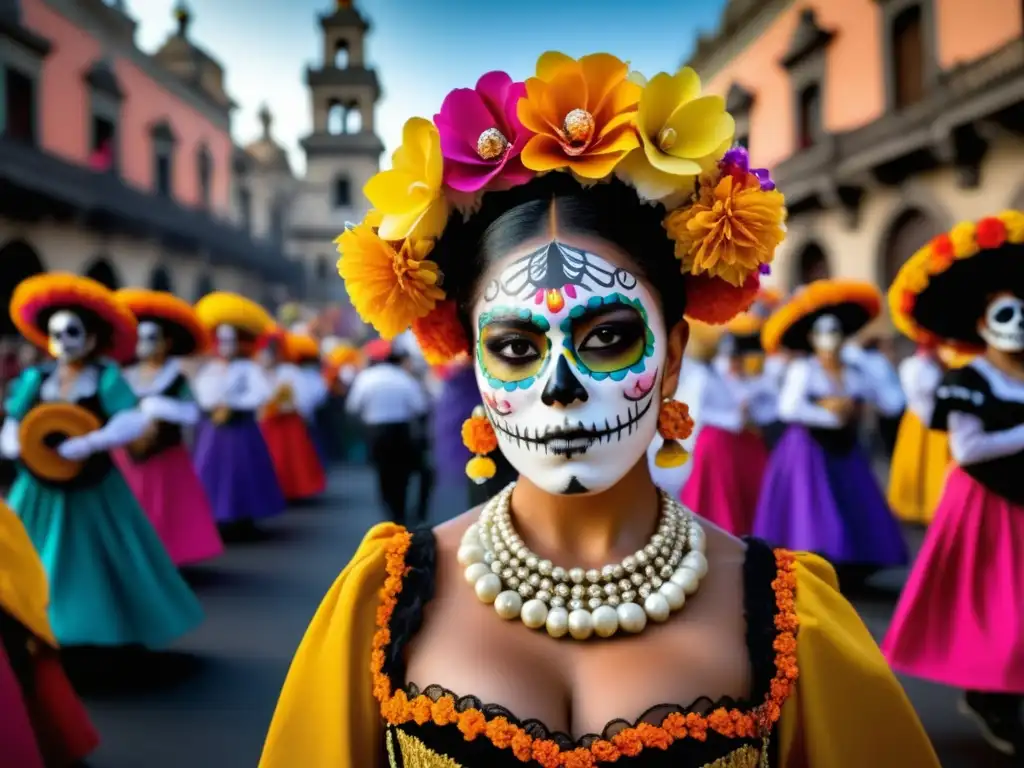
[{"x": 563, "y": 387}]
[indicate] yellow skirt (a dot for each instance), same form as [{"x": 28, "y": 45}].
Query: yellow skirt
[{"x": 917, "y": 475}]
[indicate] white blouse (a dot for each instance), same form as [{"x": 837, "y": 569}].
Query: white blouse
[
  {"x": 807, "y": 381},
  {"x": 920, "y": 376},
  {"x": 969, "y": 443}
]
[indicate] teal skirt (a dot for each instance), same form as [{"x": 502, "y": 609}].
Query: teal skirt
[{"x": 111, "y": 580}]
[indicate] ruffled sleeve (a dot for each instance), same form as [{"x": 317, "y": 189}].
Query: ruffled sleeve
[
  {"x": 327, "y": 716},
  {"x": 116, "y": 394},
  {"x": 23, "y": 394},
  {"x": 847, "y": 709}
]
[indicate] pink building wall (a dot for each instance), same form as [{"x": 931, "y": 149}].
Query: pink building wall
[
  {"x": 65, "y": 117},
  {"x": 854, "y": 92}
]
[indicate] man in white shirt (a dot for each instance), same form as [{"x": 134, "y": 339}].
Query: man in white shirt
[{"x": 390, "y": 401}]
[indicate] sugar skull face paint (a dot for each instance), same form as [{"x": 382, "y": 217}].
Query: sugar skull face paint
[{"x": 569, "y": 355}]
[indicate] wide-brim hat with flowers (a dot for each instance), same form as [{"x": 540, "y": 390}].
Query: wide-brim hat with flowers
[
  {"x": 940, "y": 293},
  {"x": 744, "y": 333},
  {"x": 177, "y": 319},
  {"x": 37, "y": 298},
  {"x": 853, "y": 303},
  {"x": 591, "y": 118},
  {"x": 303, "y": 348},
  {"x": 223, "y": 308}
]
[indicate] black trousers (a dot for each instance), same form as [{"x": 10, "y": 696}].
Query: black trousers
[
  {"x": 888, "y": 429},
  {"x": 392, "y": 453}
]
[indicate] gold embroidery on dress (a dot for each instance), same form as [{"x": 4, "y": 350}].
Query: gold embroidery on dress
[
  {"x": 416, "y": 754},
  {"x": 744, "y": 757}
]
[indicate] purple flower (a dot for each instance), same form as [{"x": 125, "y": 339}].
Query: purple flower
[
  {"x": 737, "y": 162},
  {"x": 765, "y": 269}
]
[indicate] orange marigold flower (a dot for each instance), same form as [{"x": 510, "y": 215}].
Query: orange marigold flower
[
  {"x": 785, "y": 643},
  {"x": 697, "y": 726},
  {"x": 731, "y": 229},
  {"x": 421, "y": 709},
  {"x": 674, "y": 421},
  {"x": 675, "y": 725},
  {"x": 478, "y": 435},
  {"x": 440, "y": 335},
  {"x": 720, "y": 721},
  {"x": 713, "y": 301},
  {"x": 605, "y": 751},
  {"x": 443, "y": 711},
  {"x": 546, "y": 753},
  {"x": 578, "y": 758},
  {"x": 522, "y": 745},
  {"x": 389, "y": 284},
  {"x": 396, "y": 709},
  {"x": 628, "y": 742},
  {"x": 500, "y": 732},
  {"x": 472, "y": 723},
  {"x": 990, "y": 233},
  {"x": 942, "y": 246},
  {"x": 381, "y": 687},
  {"x": 583, "y": 113},
  {"x": 652, "y": 736}
]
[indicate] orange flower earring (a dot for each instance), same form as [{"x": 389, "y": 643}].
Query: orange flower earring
[
  {"x": 478, "y": 436},
  {"x": 674, "y": 424}
]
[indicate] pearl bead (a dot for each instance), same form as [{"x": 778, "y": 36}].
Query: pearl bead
[
  {"x": 473, "y": 531},
  {"x": 581, "y": 625},
  {"x": 475, "y": 572},
  {"x": 557, "y": 622},
  {"x": 674, "y": 594},
  {"x": 488, "y": 587},
  {"x": 470, "y": 554},
  {"x": 534, "y": 614},
  {"x": 696, "y": 562},
  {"x": 576, "y": 575},
  {"x": 687, "y": 579},
  {"x": 656, "y": 606},
  {"x": 631, "y": 617},
  {"x": 508, "y": 604},
  {"x": 606, "y": 621},
  {"x": 558, "y": 573}
]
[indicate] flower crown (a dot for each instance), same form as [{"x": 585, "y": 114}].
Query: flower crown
[{"x": 590, "y": 117}]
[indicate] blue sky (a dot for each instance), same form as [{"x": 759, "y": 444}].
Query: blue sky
[{"x": 420, "y": 48}]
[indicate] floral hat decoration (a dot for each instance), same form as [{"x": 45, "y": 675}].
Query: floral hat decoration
[
  {"x": 940, "y": 293},
  {"x": 223, "y": 308},
  {"x": 38, "y": 297},
  {"x": 591, "y": 118},
  {"x": 176, "y": 317},
  {"x": 852, "y": 302}
]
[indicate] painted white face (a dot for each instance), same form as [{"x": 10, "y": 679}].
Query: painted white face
[
  {"x": 150, "y": 338},
  {"x": 570, "y": 351},
  {"x": 826, "y": 334},
  {"x": 1003, "y": 325},
  {"x": 227, "y": 341},
  {"x": 69, "y": 340}
]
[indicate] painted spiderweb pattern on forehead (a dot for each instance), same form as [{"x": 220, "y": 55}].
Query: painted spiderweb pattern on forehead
[{"x": 553, "y": 266}]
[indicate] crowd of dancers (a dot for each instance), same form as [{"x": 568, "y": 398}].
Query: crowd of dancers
[{"x": 125, "y": 474}]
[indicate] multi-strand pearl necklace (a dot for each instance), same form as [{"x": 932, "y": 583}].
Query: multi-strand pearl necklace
[{"x": 649, "y": 584}]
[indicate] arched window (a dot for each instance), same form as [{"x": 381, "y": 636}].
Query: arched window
[
  {"x": 342, "y": 192},
  {"x": 809, "y": 127},
  {"x": 102, "y": 271},
  {"x": 204, "y": 285},
  {"x": 911, "y": 230},
  {"x": 336, "y": 118},
  {"x": 353, "y": 118},
  {"x": 341, "y": 55},
  {"x": 204, "y": 171},
  {"x": 160, "y": 279},
  {"x": 18, "y": 261},
  {"x": 908, "y": 56},
  {"x": 812, "y": 265}
]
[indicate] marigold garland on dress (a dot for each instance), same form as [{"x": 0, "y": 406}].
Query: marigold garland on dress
[
  {"x": 590, "y": 117},
  {"x": 396, "y": 708}
]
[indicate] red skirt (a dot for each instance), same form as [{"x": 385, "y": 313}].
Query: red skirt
[
  {"x": 299, "y": 471},
  {"x": 725, "y": 482}
]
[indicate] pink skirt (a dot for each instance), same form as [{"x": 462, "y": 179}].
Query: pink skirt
[
  {"x": 20, "y": 749},
  {"x": 725, "y": 481},
  {"x": 960, "y": 619},
  {"x": 174, "y": 500}
]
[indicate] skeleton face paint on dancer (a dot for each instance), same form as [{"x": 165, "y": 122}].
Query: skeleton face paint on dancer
[
  {"x": 227, "y": 341},
  {"x": 1002, "y": 328},
  {"x": 150, "y": 341},
  {"x": 827, "y": 334},
  {"x": 569, "y": 356},
  {"x": 69, "y": 341}
]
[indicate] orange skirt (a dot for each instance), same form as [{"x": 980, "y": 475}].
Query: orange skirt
[{"x": 299, "y": 471}]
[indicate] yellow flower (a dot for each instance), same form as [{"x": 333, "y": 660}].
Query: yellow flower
[
  {"x": 388, "y": 287},
  {"x": 962, "y": 236},
  {"x": 408, "y": 199},
  {"x": 682, "y": 134},
  {"x": 1014, "y": 221},
  {"x": 730, "y": 230},
  {"x": 582, "y": 113}
]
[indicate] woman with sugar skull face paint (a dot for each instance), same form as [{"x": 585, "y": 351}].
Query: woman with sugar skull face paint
[
  {"x": 230, "y": 454},
  {"x": 959, "y": 621},
  {"x": 581, "y": 596},
  {"x": 158, "y": 467},
  {"x": 819, "y": 493},
  {"x": 112, "y": 582}
]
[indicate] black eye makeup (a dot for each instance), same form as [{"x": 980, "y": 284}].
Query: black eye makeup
[{"x": 513, "y": 347}]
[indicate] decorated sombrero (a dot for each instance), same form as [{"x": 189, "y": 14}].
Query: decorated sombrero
[
  {"x": 853, "y": 303},
  {"x": 36, "y": 299},
  {"x": 941, "y": 292},
  {"x": 344, "y": 354},
  {"x": 303, "y": 348},
  {"x": 377, "y": 350},
  {"x": 242, "y": 314},
  {"x": 745, "y": 332},
  {"x": 703, "y": 341},
  {"x": 179, "y": 322}
]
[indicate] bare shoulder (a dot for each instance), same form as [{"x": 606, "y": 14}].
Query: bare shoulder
[
  {"x": 449, "y": 533},
  {"x": 723, "y": 549}
]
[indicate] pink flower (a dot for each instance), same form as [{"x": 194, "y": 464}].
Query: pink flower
[{"x": 481, "y": 136}]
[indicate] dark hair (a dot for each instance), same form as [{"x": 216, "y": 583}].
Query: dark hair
[{"x": 610, "y": 211}]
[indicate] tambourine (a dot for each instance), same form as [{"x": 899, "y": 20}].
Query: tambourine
[{"x": 43, "y": 429}]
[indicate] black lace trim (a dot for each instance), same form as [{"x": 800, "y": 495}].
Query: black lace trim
[{"x": 759, "y": 571}]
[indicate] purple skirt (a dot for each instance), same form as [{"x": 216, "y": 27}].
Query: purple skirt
[
  {"x": 235, "y": 466},
  {"x": 830, "y": 504}
]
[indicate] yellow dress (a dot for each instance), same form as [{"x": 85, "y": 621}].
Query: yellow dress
[
  {"x": 917, "y": 474},
  {"x": 24, "y": 592},
  {"x": 845, "y": 710}
]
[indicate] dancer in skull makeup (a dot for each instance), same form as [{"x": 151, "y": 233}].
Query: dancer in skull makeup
[
  {"x": 283, "y": 419},
  {"x": 230, "y": 453},
  {"x": 112, "y": 582},
  {"x": 158, "y": 467},
  {"x": 960, "y": 620},
  {"x": 571, "y": 297},
  {"x": 306, "y": 351},
  {"x": 819, "y": 492}
]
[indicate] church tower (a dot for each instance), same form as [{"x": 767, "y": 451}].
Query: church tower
[{"x": 342, "y": 152}]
